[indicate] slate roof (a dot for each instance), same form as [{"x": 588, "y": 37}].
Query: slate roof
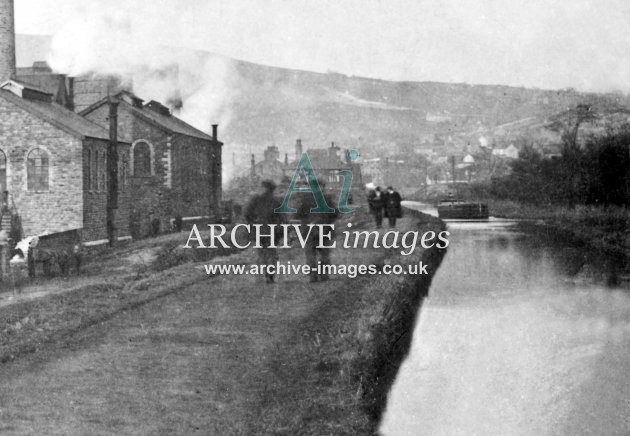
[
  {"x": 321, "y": 158},
  {"x": 57, "y": 115},
  {"x": 169, "y": 123}
]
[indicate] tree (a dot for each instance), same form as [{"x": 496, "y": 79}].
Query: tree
[{"x": 568, "y": 124}]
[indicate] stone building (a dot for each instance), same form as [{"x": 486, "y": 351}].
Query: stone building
[
  {"x": 53, "y": 167},
  {"x": 174, "y": 168},
  {"x": 53, "y": 160}
]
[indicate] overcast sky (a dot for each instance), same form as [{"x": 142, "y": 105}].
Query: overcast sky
[{"x": 583, "y": 44}]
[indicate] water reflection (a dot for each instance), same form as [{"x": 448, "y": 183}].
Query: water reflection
[{"x": 523, "y": 333}]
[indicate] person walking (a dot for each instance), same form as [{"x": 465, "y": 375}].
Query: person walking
[
  {"x": 260, "y": 210},
  {"x": 393, "y": 210},
  {"x": 307, "y": 217},
  {"x": 376, "y": 203}
]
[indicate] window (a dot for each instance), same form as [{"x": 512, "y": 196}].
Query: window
[
  {"x": 37, "y": 170},
  {"x": 142, "y": 159},
  {"x": 3, "y": 172},
  {"x": 88, "y": 169},
  {"x": 122, "y": 173},
  {"x": 95, "y": 170},
  {"x": 202, "y": 159},
  {"x": 102, "y": 171}
]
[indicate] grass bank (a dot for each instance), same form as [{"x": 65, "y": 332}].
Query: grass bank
[
  {"x": 606, "y": 228},
  {"x": 332, "y": 371},
  {"x": 179, "y": 352},
  {"x": 105, "y": 289}
]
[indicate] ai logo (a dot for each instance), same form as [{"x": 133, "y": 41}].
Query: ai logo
[{"x": 314, "y": 188}]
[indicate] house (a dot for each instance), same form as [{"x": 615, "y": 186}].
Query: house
[
  {"x": 326, "y": 162},
  {"x": 174, "y": 168},
  {"x": 53, "y": 167},
  {"x": 271, "y": 167},
  {"x": 510, "y": 152}
]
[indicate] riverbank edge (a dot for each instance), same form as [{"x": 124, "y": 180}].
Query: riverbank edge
[
  {"x": 334, "y": 369},
  {"x": 392, "y": 331},
  {"x": 606, "y": 229}
]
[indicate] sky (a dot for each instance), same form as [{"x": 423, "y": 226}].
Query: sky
[{"x": 583, "y": 44}]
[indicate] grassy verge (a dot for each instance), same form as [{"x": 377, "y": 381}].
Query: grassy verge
[
  {"x": 333, "y": 370},
  {"x": 607, "y": 228},
  {"x": 27, "y": 326},
  {"x": 233, "y": 355}
]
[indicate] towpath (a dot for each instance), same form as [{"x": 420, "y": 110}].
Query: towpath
[{"x": 227, "y": 354}]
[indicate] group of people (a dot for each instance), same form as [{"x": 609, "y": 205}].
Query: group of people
[
  {"x": 386, "y": 204},
  {"x": 260, "y": 210}
]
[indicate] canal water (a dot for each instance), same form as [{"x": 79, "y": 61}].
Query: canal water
[{"x": 523, "y": 333}]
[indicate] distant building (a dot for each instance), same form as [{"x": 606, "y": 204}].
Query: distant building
[
  {"x": 327, "y": 162},
  {"x": 271, "y": 167},
  {"x": 510, "y": 152}
]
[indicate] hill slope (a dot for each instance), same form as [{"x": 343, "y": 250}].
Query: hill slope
[{"x": 273, "y": 105}]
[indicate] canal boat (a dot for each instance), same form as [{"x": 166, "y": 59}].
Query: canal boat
[{"x": 452, "y": 209}]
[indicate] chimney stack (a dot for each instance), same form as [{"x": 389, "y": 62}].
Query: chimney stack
[
  {"x": 214, "y": 132},
  {"x": 7, "y": 41},
  {"x": 298, "y": 150}
]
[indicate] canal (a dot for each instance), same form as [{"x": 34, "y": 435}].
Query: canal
[{"x": 523, "y": 333}]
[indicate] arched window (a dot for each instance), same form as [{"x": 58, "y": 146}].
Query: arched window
[
  {"x": 37, "y": 170},
  {"x": 142, "y": 159}
]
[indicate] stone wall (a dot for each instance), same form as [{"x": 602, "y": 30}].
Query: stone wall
[
  {"x": 60, "y": 207},
  {"x": 181, "y": 181},
  {"x": 191, "y": 177},
  {"x": 95, "y": 197}
]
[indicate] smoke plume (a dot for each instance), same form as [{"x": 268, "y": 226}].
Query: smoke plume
[{"x": 107, "y": 39}]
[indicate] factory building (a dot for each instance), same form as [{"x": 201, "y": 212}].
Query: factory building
[
  {"x": 53, "y": 160},
  {"x": 175, "y": 169}
]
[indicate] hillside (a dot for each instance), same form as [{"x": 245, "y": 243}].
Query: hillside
[
  {"x": 284, "y": 104},
  {"x": 270, "y": 105}
]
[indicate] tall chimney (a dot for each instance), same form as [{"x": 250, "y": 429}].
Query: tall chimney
[
  {"x": 298, "y": 150},
  {"x": 7, "y": 40}
]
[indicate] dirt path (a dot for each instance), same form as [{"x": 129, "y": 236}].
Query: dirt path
[{"x": 199, "y": 360}]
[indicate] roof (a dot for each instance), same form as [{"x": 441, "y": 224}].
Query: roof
[
  {"x": 167, "y": 122},
  {"x": 51, "y": 112},
  {"x": 322, "y": 158},
  {"x": 46, "y": 82}
]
